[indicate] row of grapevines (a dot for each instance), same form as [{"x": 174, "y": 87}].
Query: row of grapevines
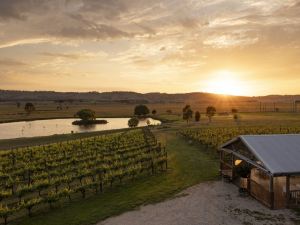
[
  {"x": 45, "y": 174},
  {"x": 216, "y": 136}
]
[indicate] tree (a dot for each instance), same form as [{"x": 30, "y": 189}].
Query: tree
[
  {"x": 133, "y": 122},
  {"x": 210, "y": 112},
  {"x": 235, "y": 115},
  {"x": 29, "y": 107},
  {"x": 86, "y": 115},
  {"x": 197, "y": 116},
  {"x": 154, "y": 112},
  {"x": 236, "y": 118},
  {"x": 187, "y": 113},
  {"x": 141, "y": 110}
]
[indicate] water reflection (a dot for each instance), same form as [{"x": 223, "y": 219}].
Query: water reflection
[{"x": 62, "y": 126}]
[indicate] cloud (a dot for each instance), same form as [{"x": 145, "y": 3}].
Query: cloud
[
  {"x": 61, "y": 55},
  {"x": 20, "y": 9},
  {"x": 11, "y": 63},
  {"x": 11, "y": 9},
  {"x": 61, "y": 21},
  {"x": 230, "y": 40},
  {"x": 84, "y": 28},
  {"x": 24, "y": 42}
]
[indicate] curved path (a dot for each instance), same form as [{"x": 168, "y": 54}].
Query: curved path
[{"x": 211, "y": 203}]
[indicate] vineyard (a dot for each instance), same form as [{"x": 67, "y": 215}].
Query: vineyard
[
  {"x": 34, "y": 177},
  {"x": 214, "y": 137}
]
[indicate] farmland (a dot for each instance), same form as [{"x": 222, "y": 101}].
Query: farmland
[
  {"x": 188, "y": 164},
  {"x": 45, "y": 174},
  {"x": 183, "y": 171},
  {"x": 9, "y": 111}
]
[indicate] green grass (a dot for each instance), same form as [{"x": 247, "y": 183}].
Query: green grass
[
  {"x": 188, "y": 165},
  {"x": 33, "y": 141}
]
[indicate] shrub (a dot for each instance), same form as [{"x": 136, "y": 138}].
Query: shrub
[{"x": 133, "y": 122}]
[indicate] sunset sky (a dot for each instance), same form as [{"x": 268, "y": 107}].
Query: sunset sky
[{"x": 240, "y": 47}]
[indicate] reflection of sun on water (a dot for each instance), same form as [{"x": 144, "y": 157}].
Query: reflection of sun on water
[{"x": 227, "y": 83}]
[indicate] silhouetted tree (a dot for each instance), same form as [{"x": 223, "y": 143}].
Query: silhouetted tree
[
  {"x": 141, "y": 110},
  {"x": 197, "y": 116},
  {"x": 236, "y": 117},
  {"x": 133, "y": 122},
  {"x": 86, "y": 114},
  {"x": 187, "y": 113},
  {"x": 29, "y": 107},
  {"x": 210, "y": 112}
]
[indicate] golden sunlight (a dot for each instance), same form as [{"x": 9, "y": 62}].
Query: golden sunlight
[{"x": 227, "y": 83}]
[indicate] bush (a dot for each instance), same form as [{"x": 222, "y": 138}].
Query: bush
[{"x": 133, "y": 122}]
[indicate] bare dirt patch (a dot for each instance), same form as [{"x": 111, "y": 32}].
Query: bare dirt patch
[{"x": 211, "y": 203}]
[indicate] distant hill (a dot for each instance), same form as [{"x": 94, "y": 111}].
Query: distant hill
[{"x": 133, "y": 97}]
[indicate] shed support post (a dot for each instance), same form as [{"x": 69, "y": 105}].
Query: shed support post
[
  {"x": 249, "y": 182},
  {"x": 232, "y": 165},
  {"x": 221, "y": 161},
  {"x": 271, "y": 192},
  {"x": 287, "y": 189}
]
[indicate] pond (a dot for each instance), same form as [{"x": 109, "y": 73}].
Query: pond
[{"x": 62, "y": 126}]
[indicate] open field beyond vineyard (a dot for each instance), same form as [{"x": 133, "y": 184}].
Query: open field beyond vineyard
[{"x": 9, "y": 111}]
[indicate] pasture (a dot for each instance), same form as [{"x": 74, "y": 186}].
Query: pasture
[{"x": 9, "y": 111}]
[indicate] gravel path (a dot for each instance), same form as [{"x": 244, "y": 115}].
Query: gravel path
[{"x": 212, "y": 203}]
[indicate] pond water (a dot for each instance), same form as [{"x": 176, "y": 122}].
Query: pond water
[{"x": 62, "y": 126}]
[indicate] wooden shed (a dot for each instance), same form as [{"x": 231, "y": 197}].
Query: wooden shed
[{"x": 266, "y": 166}]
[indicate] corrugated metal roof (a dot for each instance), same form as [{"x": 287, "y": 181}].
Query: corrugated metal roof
[{"x": 280, "y": 154}]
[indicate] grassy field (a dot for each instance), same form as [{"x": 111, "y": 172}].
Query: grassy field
[
  {"x": 188, "y": 165},
  {"x": 25, "y": 142},
  {"x": 10, "y": 112}
]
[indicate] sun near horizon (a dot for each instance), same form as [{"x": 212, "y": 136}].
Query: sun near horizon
[{"x": 226, "y": 82}]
